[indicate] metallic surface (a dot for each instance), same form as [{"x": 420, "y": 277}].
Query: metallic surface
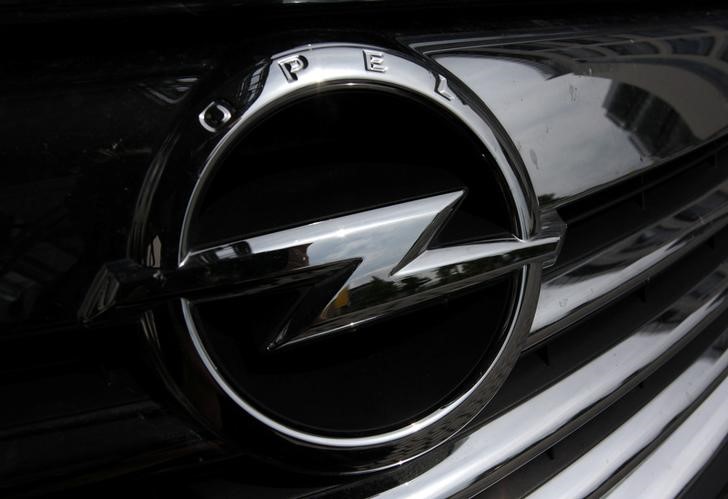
[
  {"x": 650, "y": 424},
  {"x": 593, "y": 282},
  {"x": 88, "y": 131},
  {"x": 331, "y": 66},
  {"x": 543, "y": 417},
  {"x": 671, "y": 468},
  {"x": 316, "y": 69},
  {"x": 209, "y": 121},
  {"x": 384, "y": 245},
  {"x": 587, "y": 111}
]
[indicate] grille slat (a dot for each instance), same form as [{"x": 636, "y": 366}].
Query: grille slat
[
  {"x": 598, "y": 279},
  {"x": 670, "y": 469},
  {"x": 527, "y": 429},
  {"x": 615, "y": 453},
  {"x": 569, "y": 450}
]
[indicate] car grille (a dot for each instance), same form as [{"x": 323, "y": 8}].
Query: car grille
[
  {"x": 621, "y": 387},
  {"x": 625, "y": 354}
]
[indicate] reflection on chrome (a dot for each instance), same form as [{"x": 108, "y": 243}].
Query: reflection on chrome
[
  {"x": 683, "y": 455},
  {"x": 544, "y": 416},
  {"x": 616, "y": 101},
  {"x": 389, "y": 263},
  {"x": 592, "y": 283},
  {"x": 595, "y": 467}
]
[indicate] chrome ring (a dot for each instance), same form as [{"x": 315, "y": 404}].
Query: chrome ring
[{"x": 317, "y": 68}]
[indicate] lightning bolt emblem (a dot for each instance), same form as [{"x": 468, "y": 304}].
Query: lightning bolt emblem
[
  {"x": 388, "y": 264},
  {"x": 356, "y": 268}
]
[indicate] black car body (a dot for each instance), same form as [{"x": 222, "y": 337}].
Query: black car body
[{"x": 427, "y": 249}]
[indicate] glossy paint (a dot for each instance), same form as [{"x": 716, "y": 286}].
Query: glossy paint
[
  {"x": 83, "y": 141},
  {"x": 585, "y": 111},
  {"x": 590, "y": 284}
]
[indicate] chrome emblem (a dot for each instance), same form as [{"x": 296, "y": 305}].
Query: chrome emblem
[
  {"x": 264, "y": 329},
  {"x": 386, "y": 264}
]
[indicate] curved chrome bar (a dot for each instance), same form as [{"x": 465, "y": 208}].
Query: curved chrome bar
[
  {"x": 549, "y": 415},
  {"x": 572, "y": 101},
  {"x": 607, "y": 275},
  {"x": 673, "y": 465},
  {"x": 595, "y": 467}
]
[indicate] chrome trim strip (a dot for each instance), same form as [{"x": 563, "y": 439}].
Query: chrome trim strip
[
  {"x": 649, "y": 425},
  {"x": 526, "y": 430},
  {"x": 595, "y": 282},
  {"x": 570, "y": 101},
  {"x": 683, "y": 455}
]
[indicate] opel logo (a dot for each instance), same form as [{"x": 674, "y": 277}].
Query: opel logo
[{"x": 360, "y": 332}]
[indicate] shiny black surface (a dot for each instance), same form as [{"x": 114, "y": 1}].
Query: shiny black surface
[
  {"x": 76, "y": 150},
  {"x": 71, "y": 123},
  {"x": 615, "y": 100},
  {"x": 82, "y": 125},
  {"x": 33, "y": 11},
  {"x": 78, "y": 138}
]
